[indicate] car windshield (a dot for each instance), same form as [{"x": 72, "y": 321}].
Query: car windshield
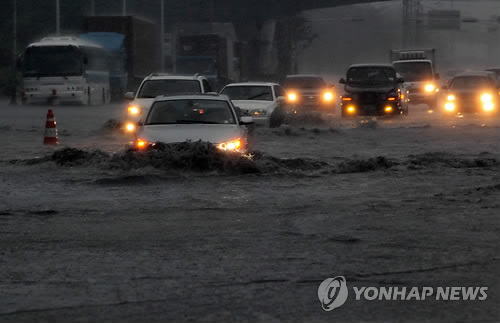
[
  {"x": 53, "y": 61},
  {"x": 414, "y": 71},
  {"x": 304, "y": 83},
  {"x": 190, "y": 111},
  {"x": 371, "y": 75},
  {"x": 471, "y": 82},
  {"x": 154, "y": 88},
  {"x": 262, "y": 93}
]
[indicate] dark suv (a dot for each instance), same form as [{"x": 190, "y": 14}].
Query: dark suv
[
  {"x": 309, "y": 92},
  {"x": 372, "y": 90}
]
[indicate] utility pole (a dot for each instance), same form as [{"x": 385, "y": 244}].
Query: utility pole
[
  {"x": 58, "y": 18},
  {"x": 124, "y": 7},
  {"x": 162, "y": 35},
  {"x": 410, "y": 17},
  {"x": 13, "y": 100}
]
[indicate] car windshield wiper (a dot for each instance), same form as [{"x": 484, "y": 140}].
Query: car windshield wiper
[{"x": 258, "y": 95}]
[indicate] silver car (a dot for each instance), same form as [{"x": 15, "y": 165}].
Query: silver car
[{"x": 210, "y": 118}]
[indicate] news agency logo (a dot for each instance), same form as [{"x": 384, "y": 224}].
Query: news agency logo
[{"x": 333, "y": 292}]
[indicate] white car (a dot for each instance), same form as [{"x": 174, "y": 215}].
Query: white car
[
  {"x": 261, "y": 101},
  {"x": 160, "y": 84},
  {"x": 206, "y": 117}
]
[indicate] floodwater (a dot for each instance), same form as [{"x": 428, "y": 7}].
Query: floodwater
[{"x": 92, "y": 232}]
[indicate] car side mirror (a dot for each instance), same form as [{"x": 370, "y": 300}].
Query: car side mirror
[
  {"x": 246, "y": 120},
  {"x": 332, "y": 86},
  {"x": 129, "y": 96},
  {"x": 400, "y": 80},
  {"x": 437, "y": 77},
  {"x": 445, "y": 87},
  {"x": 342, "y": 81},
  {"x": 281, "y": 99}
]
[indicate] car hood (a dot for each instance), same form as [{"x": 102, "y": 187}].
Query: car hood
[
  {"x": 250, "y": 105},
  {"x": 383, "y": 89},
  {"x": 214, "y": 133}
]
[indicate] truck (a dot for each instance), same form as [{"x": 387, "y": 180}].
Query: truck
[
  {"x": 207, "y": 50},
  {"x": 133, "y": 45},
  {"x": 417, "y": 68}
]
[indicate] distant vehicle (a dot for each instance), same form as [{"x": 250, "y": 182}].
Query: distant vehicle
[
  {"x": 114, "y": 43},
  {"x": 417, "y": 68},
  {"x": 496, "y": 72},
  {"x": 134, "y": 45},
  {"x": 262, "y": 101},
  {"x": 207, "y": 49},
  {"x": 210, "y": 118},
  {"x": 372, "y": 89},
  {"x": 472, "y": 92},
  {"x": 65, "y": 69},
  {"x": 158, "y": 84},
  {"x": 309, "y": 92}
]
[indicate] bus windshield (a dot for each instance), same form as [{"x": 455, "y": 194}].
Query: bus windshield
[{"x": 52, "y": 61}]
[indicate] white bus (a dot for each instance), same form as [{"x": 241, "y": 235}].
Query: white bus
[{"x": 66, "y": 69}]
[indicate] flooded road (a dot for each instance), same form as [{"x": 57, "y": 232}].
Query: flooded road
[{"x": 94, "y": 233}]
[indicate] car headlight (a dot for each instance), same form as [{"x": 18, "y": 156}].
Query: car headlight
[
  {"x": 430, "y": 87},
  {"x": 486, "y": 97},
  {"x": 130, "y": 127},
  {"x": 449, "y": 106},
  {"x": 388, "y": 109},
  {"x": 451, "y": 97},
  {"x": 292, "y": 96},
  {"x": 488, "y": 106},
  {"x": 134, "y": 110},
  {"x": 233, "y": 145},
  {"x": 328, "y": 96},
  {"x": 258, "y": 113},
  {"x": 351, "y": 109},
  {"x": 142, "y": 143}
]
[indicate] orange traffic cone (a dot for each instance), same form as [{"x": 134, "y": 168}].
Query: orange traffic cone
[{"x": 50, "y": 130}]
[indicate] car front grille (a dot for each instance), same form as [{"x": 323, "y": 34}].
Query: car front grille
[{"x": 368, "y": 97}]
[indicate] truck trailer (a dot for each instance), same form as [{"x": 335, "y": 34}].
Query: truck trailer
[{"x": 134, "y": 46}]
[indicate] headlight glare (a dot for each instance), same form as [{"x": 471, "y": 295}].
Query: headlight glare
[
  {"x": 430, "y": 87},
  {"x": 486, "y": 97},
  {"x": 292, "y": 97},
  {"x": 488, "y": 106},
  {"x": 449, "y": 106},
  {"x": 134, "y": 110},
  {"x": 328, "y": 96},
  {"x": 233, "y": 145}
]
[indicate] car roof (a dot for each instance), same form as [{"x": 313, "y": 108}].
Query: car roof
[
  {"x": 412, "y": 61},
  {"x": 372, "y": 65},
  {"x": 196, "y": 96},
  {"x": 165, "y": 76},
  {"x": 303, "y": 76},
  {"x": 253, "y": 84}
]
